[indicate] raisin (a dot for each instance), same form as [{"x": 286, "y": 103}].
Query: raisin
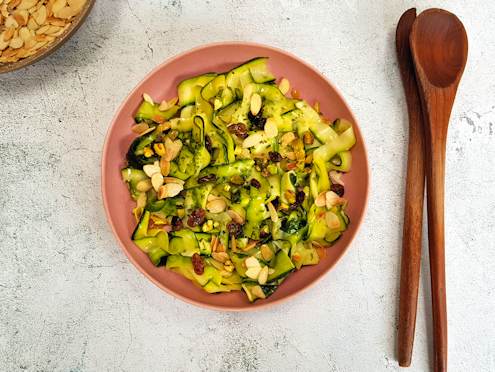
[
  {"x": 197, "y": 217},
  {"x": 198, "y": 265},
  {"x": 239, "y": 130},
  {"x": 338, "y": 189},
  {"x": 177, "y": 224},
  {"x": 255, "y": 183},
  {"x": 207, "y": 178},
  {"x": 300, "y": 195},
  {"x": 274, "y": 156},
  {"x": 208, "y": 144},
  {"x": 276, "y": 202},
  {"x": 258, "y": 121},
  {"x": 264, "y": 234},
  {"x": 234, "y": 229}
]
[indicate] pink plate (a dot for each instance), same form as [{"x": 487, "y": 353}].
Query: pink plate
[{"x": 161, "y": 84}]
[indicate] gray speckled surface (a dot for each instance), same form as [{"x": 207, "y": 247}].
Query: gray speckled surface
[{"x": 71, "y": 301}]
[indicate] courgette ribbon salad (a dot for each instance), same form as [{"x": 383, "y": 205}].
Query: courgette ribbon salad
[{"x": 236, "y": 183}]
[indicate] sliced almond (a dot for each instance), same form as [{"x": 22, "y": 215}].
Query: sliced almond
[
  {"x": 140, "y": 128},
  {"x": 172, "y": 148},
  {"x": 253, "y": 272},
  {"x": 66, "y": 13},
  {"x": 40, "y": 15},
  {"x": 213, "y": 243},
  {"x": 164, "y": 106},
  {"x": 216, "y": 206},
  {"x": 169, "y": 190},
  {"x": 220, "y": 256},
  {"x": 25, "y": 34},
  {"x": 284, "y": 86},
  {"x": 42, "y": 29},
  {"x": 271, "y": 129},
  {"x": 55, "y": 21},
  {"x": 216, "y": 264},
  {"x": 336, "y": 177},
  {"x": 272, "y": 211},
  {"x": 263, "y": 275},
  {"x": 32, "y": 25},
  {"x": 11, "y": 22},
  {"x": 287, "y": 138},
  {"x": 236, "y": 217},
  {"x": 164, "y": 166},
  {"x": 3, "y": 44},
  {"x": 151, "y": 169},
  {"x": 251, "y": 262},
  {"x": 266, "y": 252},
  {"x": 16, "y": 43},
  {"x": 173, "y": 180},
  {"x": 253, "y": 140},
  {"x": 144, "y": 186},
  {"x": 58, "y": 5},
  {"x": 258, "y": 291},
  {"x": 148, "y": 99},
  {"x": 21, "y": 17},
  {"x": 157, "y": 181},
  {"x": 321, "y": 200},
  {"x": 250, "y": 245},
  {"x": 54, "y": 30},
  {"x": 76, "y": 4},
  {"x": 220, "y": 247},
  {"x": 255, "y": 104},
  {"x": 26, "y": 4},
  {"x": 331, "y": 199}
]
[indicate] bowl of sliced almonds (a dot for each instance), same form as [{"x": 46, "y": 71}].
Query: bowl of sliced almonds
[{"x": 32, "y": 29}]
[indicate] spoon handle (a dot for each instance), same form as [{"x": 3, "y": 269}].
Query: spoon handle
[{"x": 435, "y": 168}]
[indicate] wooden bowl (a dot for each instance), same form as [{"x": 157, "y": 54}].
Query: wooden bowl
[
  {"x": 161, "y": 84},
  {"x": 77, "y": 21}
]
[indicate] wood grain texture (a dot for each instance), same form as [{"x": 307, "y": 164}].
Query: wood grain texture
[
  {"x": 414, "y": 199},
  {"x": 439, "y": 48}
]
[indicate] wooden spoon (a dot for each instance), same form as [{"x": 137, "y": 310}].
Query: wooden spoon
[
  {"x": 415, "y": 183},
  {"x": 439, "y": 47}
]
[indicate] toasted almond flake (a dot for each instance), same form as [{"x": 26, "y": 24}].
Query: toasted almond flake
[
  {"x": 11, "y": 22},
  {"x": 250, "y": 245},
  {"x": 147, "y": 98},
  {"x": 253, "y": 140},
  {"x": 271, "y": 129},
  {"x": 137, "y": 212},
  {"x": 173, "y": 101},
  {"x": 42, "y": 29},
  {"x": 140, "y": 128},
  {"x": 258, "y": 292},
  {"x": 16, "y": 43},
  {"x": 251, "y": 262},
  {"x": 214, "y": 242},
  {"x": 336, "y": 177},
  {"x": 248, "y": 90},
  {"x": 321, "y": 200},
  {"x": 151, "y": 169},
  {"x": 32, "y": 25},
  {"x": 21, "y": 17},
  {"x": 66, "y": 13},
  {"x": 164, "y": 167},
  {"x": 55, "y": 21},
  {"x": 236, "y": 217},
  {"x": 173, "y": 180},
  {"x": 76, "y": 4},
  {"x": 287, "y": 138},
  {"x": 233, "y": 244},
  {"x": 164, "y": 106},
  {"x": 220, "y": 256},
  {"x": 331, "y": 199},
  {"x": 8, "y": 34},
  {"x": 255, "y": 104},
  {"x": 316, "y": 106},
  {"x": 150, "y": 129},
  {"x": 216, "y": 206},
  {"x": 266, "y": 252},
  {"x": 54, "y": 30},
  {"x": 169, "y": 190},
  {"x": 263, "y": 275},
  {"x": 284, "y": 86},
  {"x": 143, "y": 185},
  {"x": 4, "y": 10},
  {"x": 216, "y": 264},
  {"x": 229, "y": 266},
  {"x": 299, "y": 104},
  {"x": 58, "y": 5},
  {"x": 25, "y": 34},
  {"x": 220, "y": 246},
  {"x": 273, "y": 212},
  {"x": 157, "y": 181},
  {"x": 3, "y": 44},
  {"x": 26, "y": 4},
  {"x": 172, "y": 148},
  {"x": 253, "y": 272}
]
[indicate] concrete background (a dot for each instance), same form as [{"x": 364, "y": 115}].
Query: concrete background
[{"x": 71, "y": 301}]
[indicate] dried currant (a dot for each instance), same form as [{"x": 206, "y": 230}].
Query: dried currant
[
  {"x": 234, "y": 229},
  {"x": 338, "y": 189},
  {"x": 198, "y": 264},
  {"x": 197, "y": 217},
  {"x": 177, "y": 224},
  {"x": 239, "y": 130},
  {"x": 276, "y": 202},
  {"x": 255, "y": 183},
  {"x": 274, "y": 156},
  {"x": 258, "y": 121},
  {"x": 207, "y": 178}
]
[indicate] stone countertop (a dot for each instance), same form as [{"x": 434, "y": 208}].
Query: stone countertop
[{"x": 70, "y": 299}]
